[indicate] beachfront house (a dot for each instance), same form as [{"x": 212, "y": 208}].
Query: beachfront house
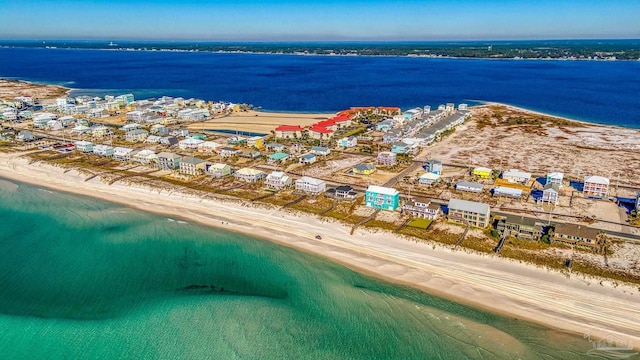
[
  {"x": 422, "y": 208},
  {"x": 145, "y": 157},
  {"x": 342, "y": 192},
  {"x": 310, "y": 185},
  {"x": 218, "y": 170},
  {"x": 596, "y": 186},
  {"x": 433, "y": 166},
  {"x": 103, "y": 150},
  {"x": 482, "y": 172},
  {"x": 137, "y": 135},
  {"x": 555, "y": 178},
  {"x": 278, "y": 180},
  {"x": 347, "y": 142},
  {"x": 83, "y": 146},
  {"x": 468, "y": 186},
  {"x": 516, "y": 176},
  {"x": 468, "y": 213},
  {"x": 288, "y": 132},
  {"x": 387, "y": 158},
  {"x": 550, "y": 194},
  {"x": 320, "y": 150},
  {"x": 383, "y": 198},
  {"x": 519, "y": 226},
  {"x": 168, "y": 161},
  {"x": 25, "y": 136},
  {"x": 308, "y": 158},
  {"x": 193, "y": 166},
  {"x": 123, "y": 153},
  {"x": 363, "y": 169},
  {"x": 578, "y": 235},
  {"x": 250, "y": 175},
  {"x": 428, "y": 178},
  {"x": 277, "y": 158}
]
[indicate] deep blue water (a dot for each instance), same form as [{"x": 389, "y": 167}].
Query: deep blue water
[{"x": 602, "y": 92}]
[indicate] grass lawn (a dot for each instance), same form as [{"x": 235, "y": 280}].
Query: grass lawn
[{"x": 420, "y": 223}]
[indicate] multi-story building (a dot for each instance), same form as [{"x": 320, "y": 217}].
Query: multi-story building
[
  {"x": 387, "y": 158},
  {"x": 288, "y": 132},
  {"x": 278, "y": 180},
  {"x": 193, "y": 166},
  {"x": 555, "y": 178},
  {"x": 596, "y": 186},
  {"x": 168, "y": 161},
  {"x": 422, "y": 209},
  {"x": 578, "y": 235},
  {"x": 516, "y": 176},
  {"x": 469, "y": 213},
  {"x": 384, "y": 198},
  {"x": 310, "y": 185},
  {"x": 551, "y": 194},
  {"x": 218, "y": 170},
  {"x": 433, "y": 166},
  {"x": 519, "y": 226},
  {"x": 250, "y": 175}
]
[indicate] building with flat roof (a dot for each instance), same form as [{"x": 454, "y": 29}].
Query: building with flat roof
[
  {"x": 384, "y": 198},
  {"x": 469, "y": 213}
]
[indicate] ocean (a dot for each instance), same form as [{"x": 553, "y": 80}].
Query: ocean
[
  {"x": 604, "y": 92},
  {"x": 88, "y": 279}
]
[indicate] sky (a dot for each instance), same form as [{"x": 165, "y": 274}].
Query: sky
[{"x": 305, "y": 20}]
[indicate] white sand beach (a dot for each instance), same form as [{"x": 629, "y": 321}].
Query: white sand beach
[{"x": 571, "y": 303}]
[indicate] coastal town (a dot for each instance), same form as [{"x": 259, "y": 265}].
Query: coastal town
[{"x": 377, "y": 167}]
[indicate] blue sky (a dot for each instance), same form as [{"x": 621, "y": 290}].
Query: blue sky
[{"x": 304, "y": 20}]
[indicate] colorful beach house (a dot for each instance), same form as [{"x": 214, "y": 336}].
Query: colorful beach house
[
  {"x": 256, "y": 142},
  {"x": 308, "y": 158},
  {"x": 277, "y": 158},
  {"x": 550, "y": 194},
  {"x": 433, "y": 166},
  {"x": 83, "y": 146},
  {"x": 482, "y": 172},
  {"x": 363, "y": 169},
  {"x": 250, "y": 175},
  {"x": 555, "y": 178},
  {"x": 596, "y": 186},
  {"x": 347, "y": 142},
  {"x": 218, "y": 170},
  {"x": 387, "y": 158},
  {"x": 383, "y": 198}
]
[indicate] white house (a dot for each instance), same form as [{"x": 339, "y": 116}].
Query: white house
[
  {"x": 145, "y": 157},
  {"x": 278, "y": 180},
  {"x": 122, "y": 153},
  {"x": 137, "y": 135},
  {"x": 83, "y": 146},
  {"x": 310, "y": 185},
  {"x": 596, "y": 186},
  {"x": 555, "y": 178},
  {"x": 249, "y": 175},
  {"x": 189, "y": 143},
  {"x": 516, "y": 176},
  {"x": 103, "y": 150},
  {"x": 347, "y": 142}
]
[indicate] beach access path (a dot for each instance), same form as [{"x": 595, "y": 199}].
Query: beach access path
[{"x": 526, "y": 292}]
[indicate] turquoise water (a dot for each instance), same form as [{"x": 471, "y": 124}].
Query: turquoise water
[{"x": 87, "y": 279}]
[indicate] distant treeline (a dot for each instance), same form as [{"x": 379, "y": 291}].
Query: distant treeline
[{"x": 556, "y": 49}]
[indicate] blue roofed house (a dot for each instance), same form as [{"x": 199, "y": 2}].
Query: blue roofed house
[
  {"x": 308, "y": 158},
  {"x": 384, "y": 198}
]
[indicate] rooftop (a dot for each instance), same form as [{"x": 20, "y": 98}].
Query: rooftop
[{"x": 469, "y": 206}]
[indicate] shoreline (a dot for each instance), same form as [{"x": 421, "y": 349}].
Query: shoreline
[
  {"x": 314, "y": 54},
  {"x": 493, "y": 284}
]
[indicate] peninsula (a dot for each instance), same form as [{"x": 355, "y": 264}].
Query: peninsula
[{"x": 448, "y": 199}]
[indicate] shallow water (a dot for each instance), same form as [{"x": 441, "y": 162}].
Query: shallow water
[{"x": 83, "y": 278}]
